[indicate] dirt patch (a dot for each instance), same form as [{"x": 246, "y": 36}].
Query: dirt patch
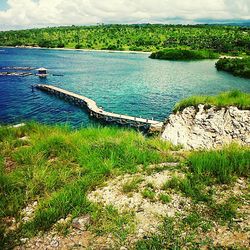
[
  {"x": 148, "y": 211},
  {"x": 9, "y": 165}
]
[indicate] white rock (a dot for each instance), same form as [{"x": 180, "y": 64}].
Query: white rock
[
  {"x": 54, "y": 243},
  {"x": 81, "y": 223},
  {"x": 208, "y": 128},
  {"x": 24, "y": 240}
]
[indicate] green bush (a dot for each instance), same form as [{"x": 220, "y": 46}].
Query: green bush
[
  {"x": 184, "y": 54},
  {"x": 236, "y": 66}
]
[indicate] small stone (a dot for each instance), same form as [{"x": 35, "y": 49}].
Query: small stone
[
  {"x": 25, "y": 219},
  {"x": 24, "y": 138},
  {"x": 54, "y": 243},
  {"x": 24, "y": 240},
  {"x": 81, "y": 223},
  {"x": 238, "y": 219},
  {"x": 123, "y": 248}
]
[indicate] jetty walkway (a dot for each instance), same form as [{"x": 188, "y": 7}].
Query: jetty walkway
[{"x": 99, "y": 113}]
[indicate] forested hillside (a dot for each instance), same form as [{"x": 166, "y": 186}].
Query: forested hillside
[{"x": 147, "y": 37}]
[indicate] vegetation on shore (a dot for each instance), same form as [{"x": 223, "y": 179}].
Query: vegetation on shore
[
  {"x": 230, "y": 98},
  {"x": 142, "y": 37},
  {"x": 236, "y": 66},
  {"x": 184, "y": 54}
]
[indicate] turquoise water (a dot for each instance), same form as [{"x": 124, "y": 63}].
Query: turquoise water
[{"x": 129, "y": 84}]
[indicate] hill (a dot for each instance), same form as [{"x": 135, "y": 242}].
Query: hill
[{"x": 146, "y": 37}]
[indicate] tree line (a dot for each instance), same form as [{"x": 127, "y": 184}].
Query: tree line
[{"x": 145, "y": 37}]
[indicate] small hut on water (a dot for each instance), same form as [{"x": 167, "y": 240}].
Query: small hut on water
[{"x": 42, "y": 72}]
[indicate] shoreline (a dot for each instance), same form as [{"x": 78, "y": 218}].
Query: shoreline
[{"x": 85, "y": 50}]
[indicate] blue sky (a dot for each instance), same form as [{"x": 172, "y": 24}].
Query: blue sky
[
  {"x": 3, "y": 5},
  {"x": 19, "y": 14}
]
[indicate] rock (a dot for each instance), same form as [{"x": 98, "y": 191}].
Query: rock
[
  {"x": 208, "y": 128},
  {"x": 18, "y": 125},
  {"x": 81, "y": 223},
  {"x": 24, "y": 240},
  {"x": 24, "y": 138},
  {"x": 54, "y": 243}
]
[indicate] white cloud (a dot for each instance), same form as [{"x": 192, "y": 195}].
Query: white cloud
[{"x": 36, "y": 13}]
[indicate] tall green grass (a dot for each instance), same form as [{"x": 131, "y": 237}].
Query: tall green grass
[
  {"x": 223, "y": 165},
  {"x": 230, "y": 98},
  {"x": 57, "y": 166},
  {"x": 207, "y": 168}
]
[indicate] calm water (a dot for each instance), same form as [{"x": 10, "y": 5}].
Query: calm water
[{"x": 124, "y": 83}]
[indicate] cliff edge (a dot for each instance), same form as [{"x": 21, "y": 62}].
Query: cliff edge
[{"x": 206, "y": 128}]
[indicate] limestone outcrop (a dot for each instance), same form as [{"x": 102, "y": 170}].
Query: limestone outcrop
[{"x": 205, "y": 128}]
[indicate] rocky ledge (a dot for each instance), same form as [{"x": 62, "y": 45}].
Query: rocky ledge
[{"x": 205, "y": 128}]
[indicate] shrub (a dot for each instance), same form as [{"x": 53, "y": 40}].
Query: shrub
[{"x": 183, "y": 54}]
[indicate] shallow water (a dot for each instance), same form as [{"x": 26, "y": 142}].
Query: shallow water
[{"x": 123, "y": 83}]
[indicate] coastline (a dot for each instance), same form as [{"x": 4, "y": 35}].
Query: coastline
[{"x": 85, "y": 50}]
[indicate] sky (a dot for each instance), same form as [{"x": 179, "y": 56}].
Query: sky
[{"x": 22, "y": 14}]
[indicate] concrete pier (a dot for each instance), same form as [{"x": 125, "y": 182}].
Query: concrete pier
[{"x": 98, "y": 113}]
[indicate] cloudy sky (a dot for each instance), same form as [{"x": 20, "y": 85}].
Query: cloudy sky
[{"x": 18, "y": 14}]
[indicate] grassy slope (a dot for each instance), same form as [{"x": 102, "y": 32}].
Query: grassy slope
[
  {"x": 57, "y": 166},
  {"x": 205, "y": 171},
  {"x": 231, "y": 98},
  {"x": 181, "y": 54}
]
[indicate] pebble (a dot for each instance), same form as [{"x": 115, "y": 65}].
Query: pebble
[
  {"x": 81, "y": 223},
  {"x": 24, "y": 240},
  {"x": 54, "y": 243}
]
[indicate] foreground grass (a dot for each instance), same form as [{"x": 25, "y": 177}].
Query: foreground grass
[
  {"x": 184, "y": 54},
  {"x": 204, "y": 172},
  {"x": 57, "y": 166},
  {"x": 230, "y": 98},
  {"x": 208, "y": 168}
]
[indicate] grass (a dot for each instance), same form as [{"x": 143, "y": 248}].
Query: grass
[
  {"x": 131, "y": 185},
  {"x": 230, "y": 98},
  {"x": 57, "y": 166},
  {"x": 164, "y": 198},
  {"x": 109, "y": 221},
  {"x": 223, "y": 165},
  {"x": 225, "y": 211},
  {"x": 173, "y": 235},
  {"x": 195, "y": 220},
  {"x": 211, "y": 167},
  {"x": 173, "y": 183},
  {"x": 148, "y": 193}
]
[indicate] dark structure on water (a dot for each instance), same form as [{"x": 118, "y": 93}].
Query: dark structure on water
[{"x": 98, "y": 113}]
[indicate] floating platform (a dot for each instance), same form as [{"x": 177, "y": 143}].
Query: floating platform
[
  {"x": 15, "y": 74},
  {"x": 16, "y": 68},
  {"x": 100, "y": 114}
]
